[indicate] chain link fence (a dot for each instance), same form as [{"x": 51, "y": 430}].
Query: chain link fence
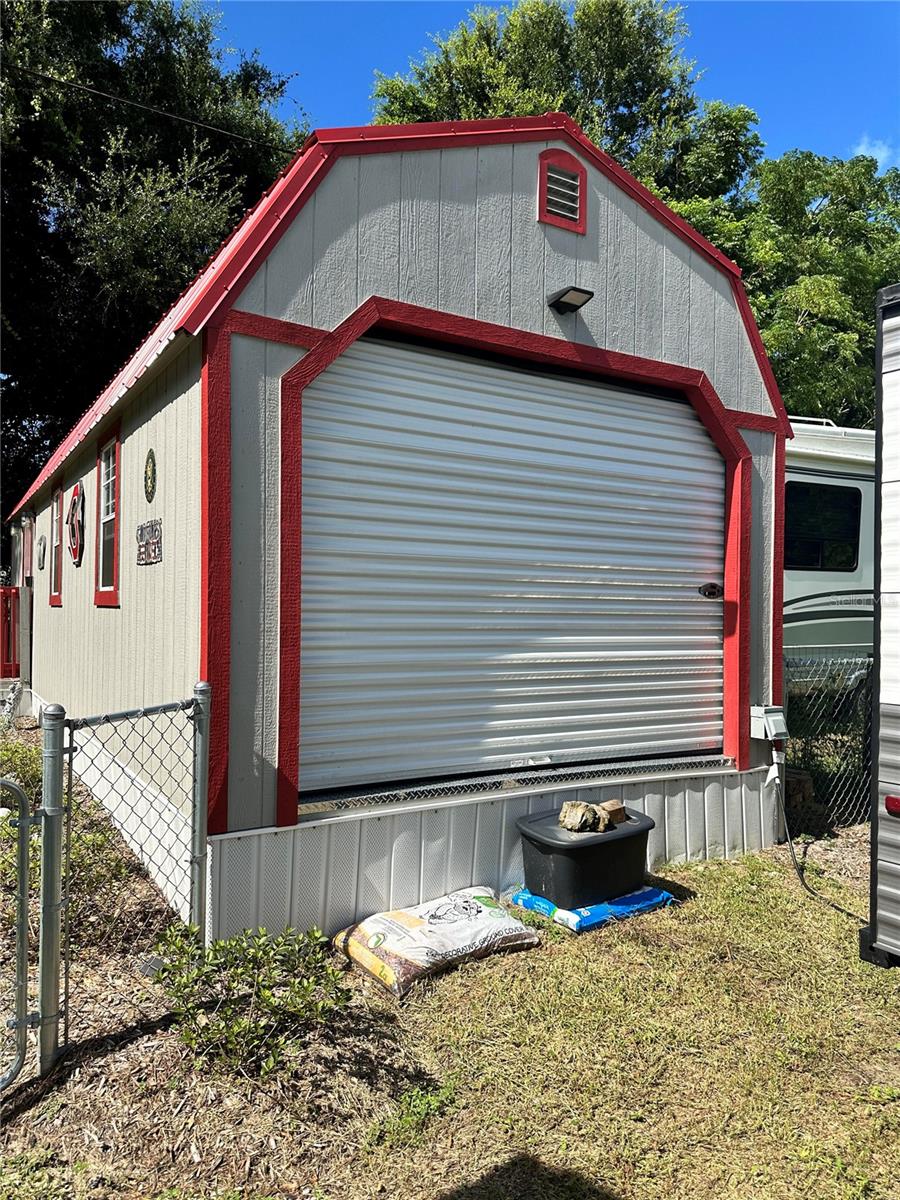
[
  {"x": 829, "y": 714},
  {"x": 116, "y": 852},
  {"x": 134, "y": 860}
]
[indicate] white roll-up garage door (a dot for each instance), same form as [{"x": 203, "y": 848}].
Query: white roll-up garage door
[{"x": 501, "y": 568}]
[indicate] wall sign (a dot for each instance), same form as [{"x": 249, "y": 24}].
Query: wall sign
[
  {"x": 42, "y": 551},
  {"x": 75, "y": 524},
  {"x": 150, "y": 476},
  {"x": 149, "y": 543}
]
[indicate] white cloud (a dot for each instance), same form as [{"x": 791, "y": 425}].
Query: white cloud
[{"x": 879, "y": 149}]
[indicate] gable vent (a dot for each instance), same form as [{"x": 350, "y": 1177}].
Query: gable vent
[{"x": 563, "y": 193}]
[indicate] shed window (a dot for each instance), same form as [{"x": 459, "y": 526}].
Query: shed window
[
  {"x": 107, "y": 566},
  {"x": 562, "y": 191},
  {"x": 821, "y": 527},
  {"x": 56, "y": 547}
]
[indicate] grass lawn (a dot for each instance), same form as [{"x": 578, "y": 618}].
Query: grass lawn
[{"x": 731, "y": 1046}]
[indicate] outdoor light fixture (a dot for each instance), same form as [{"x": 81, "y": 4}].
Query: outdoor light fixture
[{"x": 569, "y": 299}]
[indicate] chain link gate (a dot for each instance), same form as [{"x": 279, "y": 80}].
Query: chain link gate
[
  {"x": 123, "y": 855},
  {"x": 829, "y": 759}
]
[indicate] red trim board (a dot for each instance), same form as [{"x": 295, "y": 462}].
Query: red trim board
[
  {"x": 270, "y": 329},
  {"x": 215, "y": 535},
  {"x": 219, "y": 283},
  {"x": 9, "y": 632},
  {"x": 107, "y": 597},
  {"x": 215, "y": 559},
  {"x": 415, "y": 322},
  {"x": 778, "y": 575}
]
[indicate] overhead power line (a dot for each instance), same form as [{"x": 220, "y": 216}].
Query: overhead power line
[{"x": 162, "y": 112}]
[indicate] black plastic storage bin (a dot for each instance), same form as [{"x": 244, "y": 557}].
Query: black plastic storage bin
[{"x": 574, "y": 870}]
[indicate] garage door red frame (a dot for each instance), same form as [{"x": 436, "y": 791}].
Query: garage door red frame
[{"x": 412, "y": 321}]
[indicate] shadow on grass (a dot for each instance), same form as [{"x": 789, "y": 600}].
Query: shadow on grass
[
  {"x": 366, "y": 1045},
  {"x": 30, "y": 1092},
  {"x": 681, "y": 893},
  {"x": 527, "y": 1178},
  {"x": 360, "y": 1043}
]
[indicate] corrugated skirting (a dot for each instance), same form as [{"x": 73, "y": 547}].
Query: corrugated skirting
[{"x": 342, "y": 868}]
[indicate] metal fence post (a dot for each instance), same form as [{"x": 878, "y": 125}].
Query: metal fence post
[
  {"x": 21, "y": 1019},
  {"x": 199, "y": 801},
  {"x": 52, "y": 811}
]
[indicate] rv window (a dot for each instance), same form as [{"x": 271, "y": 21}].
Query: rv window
[{"x": 821, "y": 527}]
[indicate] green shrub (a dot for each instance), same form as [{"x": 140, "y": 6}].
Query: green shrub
[
  {"x": 22, "y": 763},
  {"x": 248, "y": 1002},
  {"x": 412, "y": 1113},
  {"x": 99, "y": 862}
]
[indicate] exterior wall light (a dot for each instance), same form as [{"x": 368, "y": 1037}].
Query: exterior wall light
[{"x": 569, "y": 299}]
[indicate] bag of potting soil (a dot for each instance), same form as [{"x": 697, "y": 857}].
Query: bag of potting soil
[
  {"x": 645, "y": 899},
  {"x": 399, "y": 947}
]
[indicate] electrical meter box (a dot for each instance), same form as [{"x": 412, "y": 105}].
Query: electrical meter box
[{"x": 768, "y": 722}]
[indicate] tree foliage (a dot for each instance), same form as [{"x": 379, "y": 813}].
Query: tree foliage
[
  {"x": 816, "y": 237},
  {"x": 109, "y": 210},
  {"x": 615, "y": 66}
]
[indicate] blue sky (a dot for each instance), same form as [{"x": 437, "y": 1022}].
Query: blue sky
[{"x": 822, "y": 76}]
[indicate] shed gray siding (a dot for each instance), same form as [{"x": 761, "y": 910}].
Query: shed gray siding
[
  {"x": 256, "y": 367},
  {"x": 146, "y": 651},
  {"x": 456, "y": 230}
]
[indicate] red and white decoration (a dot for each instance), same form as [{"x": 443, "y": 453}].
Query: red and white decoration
[{"x": 75, "y": 524}]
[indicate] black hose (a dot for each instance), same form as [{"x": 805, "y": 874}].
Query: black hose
[{"x": 801, "y": 875}]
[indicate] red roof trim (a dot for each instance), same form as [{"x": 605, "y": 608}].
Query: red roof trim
[{"x": 220, "y": 281}]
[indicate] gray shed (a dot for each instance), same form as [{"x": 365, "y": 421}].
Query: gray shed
[{"x": 468, "y": 467}]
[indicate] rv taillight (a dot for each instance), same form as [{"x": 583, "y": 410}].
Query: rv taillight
[{"x": 892, "y": 804}]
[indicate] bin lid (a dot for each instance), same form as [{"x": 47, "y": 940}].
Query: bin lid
[{"x": 545, "y": 829}]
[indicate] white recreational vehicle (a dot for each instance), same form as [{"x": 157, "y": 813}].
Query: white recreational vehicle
[{"x": 829, "y": 540}]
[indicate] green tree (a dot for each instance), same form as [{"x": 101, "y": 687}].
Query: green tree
[
  {"x": 615, "y": 66},
  {"x": 109, "y": 210},
  {"x": 816, "y": 237}
]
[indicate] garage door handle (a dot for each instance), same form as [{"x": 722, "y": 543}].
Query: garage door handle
[{"x": 711, "y": 591}]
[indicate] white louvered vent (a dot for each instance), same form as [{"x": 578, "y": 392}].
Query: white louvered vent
[{"x": 563, "y": 188}]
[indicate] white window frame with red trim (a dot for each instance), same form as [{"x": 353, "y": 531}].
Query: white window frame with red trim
[
  {"x": 106, "y": 542},
  {"x": 56, "y": 547}
]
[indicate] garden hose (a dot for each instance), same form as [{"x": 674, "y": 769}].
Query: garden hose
[{"x": 775, "y": 776}]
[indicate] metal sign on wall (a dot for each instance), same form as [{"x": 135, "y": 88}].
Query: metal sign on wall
[{"x": 149, "y": 543}]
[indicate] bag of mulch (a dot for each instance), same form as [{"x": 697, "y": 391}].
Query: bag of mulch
[{"x": 399, "y": 947}]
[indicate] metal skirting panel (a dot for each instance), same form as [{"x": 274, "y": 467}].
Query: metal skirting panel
[
  {"x": 499, "y": 567},
  {"x": 342, "y": 868}
]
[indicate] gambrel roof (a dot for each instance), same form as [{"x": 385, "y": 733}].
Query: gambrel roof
[{"x": 212, "y": 292}]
